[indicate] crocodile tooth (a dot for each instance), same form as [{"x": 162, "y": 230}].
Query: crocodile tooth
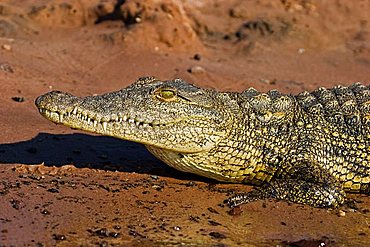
[
  {"x": 75, "y": 110},
  {"x": 95, "y": 123},
  {"x": 88, "y": 120},
  {"x": 120, "y": 119},
  {"x": 105, "y": 126},
  {"x": 61, "y": 118},
  {"x": 125, "y": 118},
  {"x": 137, "y": 123},
  {"x": 145, "y": 125},
  {"x": 130, "y": 120}
]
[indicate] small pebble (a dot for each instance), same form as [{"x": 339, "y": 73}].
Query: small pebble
[
  {"x": 301, "y": 50},
  {"x": 114, "y": 234},
  {"x": 59, "y": 237},
  {"x": 197, "y": 57},
  {"x": 117, "y": 227},
  {"x": 190, "y": 184},
  {"x": 196, "y": 70},
  {"x": 267, "y": 81},
  {"x": 44, "y": 211},
  {"x": 341, "y": 213},
  {"x": 6, "y": 67},
  {"x": 177, "y": 228},
  {"x": 6, "y": 47},
  {"x": 15, "y": 203},
  {"x": 53, "y": 190},
  {"x": 18, "y": 99}
]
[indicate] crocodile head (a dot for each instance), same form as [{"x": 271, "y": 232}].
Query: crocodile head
[{"x": 169, "y": 115}]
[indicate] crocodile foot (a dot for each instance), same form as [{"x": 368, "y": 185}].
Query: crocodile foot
[{"x": 293, "y": 190}]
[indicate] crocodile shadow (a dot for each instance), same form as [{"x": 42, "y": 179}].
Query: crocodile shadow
[{"x": 81, "y": 150}]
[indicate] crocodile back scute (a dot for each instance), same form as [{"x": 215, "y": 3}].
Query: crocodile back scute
[
  {"x": 272, "y": 101},
  {"x": 345, "y": 108}
]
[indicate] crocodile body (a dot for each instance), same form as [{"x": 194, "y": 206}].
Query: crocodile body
[{"x": 310, "y": 148}]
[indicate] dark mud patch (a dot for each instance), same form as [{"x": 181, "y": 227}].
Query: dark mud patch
[{"x": 323, "y": 242}]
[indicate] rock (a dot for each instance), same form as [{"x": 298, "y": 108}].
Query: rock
[
  {"x": 197, "y": 70},
  {"x": 6, "y": 47}
]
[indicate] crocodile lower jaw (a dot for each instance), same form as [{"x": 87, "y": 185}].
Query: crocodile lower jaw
[
  {"x": 94, "y": 123},
  {"x": 124, "y": 127}
]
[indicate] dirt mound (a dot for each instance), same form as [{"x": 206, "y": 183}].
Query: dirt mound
[
  {"x": 12, "y": 21},
  {"x": 158, "y": 24},
  {"x": 276, "y": 24},
  {"x": 17, "y": 20},
  {"x": 60, "y": 13},
  {"x": 189, "y": 26}
]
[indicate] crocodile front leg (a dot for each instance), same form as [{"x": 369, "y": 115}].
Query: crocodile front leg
[
  {"x": 303, "y": 182},
  {"x": 326, "y": 195}
]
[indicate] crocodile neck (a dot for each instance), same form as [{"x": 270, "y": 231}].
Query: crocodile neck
[{"x": 251, "y": 153}]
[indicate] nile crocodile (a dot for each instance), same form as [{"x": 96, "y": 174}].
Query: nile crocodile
[{"x": 310, "y": 148}]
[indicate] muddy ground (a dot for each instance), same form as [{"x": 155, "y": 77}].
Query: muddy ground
[{"x": 66, "y": 188}]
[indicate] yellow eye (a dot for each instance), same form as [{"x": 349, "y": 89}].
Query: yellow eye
[{"x": 166, "y": 94}]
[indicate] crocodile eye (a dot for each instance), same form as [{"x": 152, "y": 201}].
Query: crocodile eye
[{"x": 165, "y": 94}]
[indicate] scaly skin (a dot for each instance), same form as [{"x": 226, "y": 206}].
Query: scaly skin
[{"x": 309, "y": 148}]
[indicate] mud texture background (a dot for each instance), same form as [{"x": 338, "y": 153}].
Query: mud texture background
[{"x": 66, "y": 188}]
